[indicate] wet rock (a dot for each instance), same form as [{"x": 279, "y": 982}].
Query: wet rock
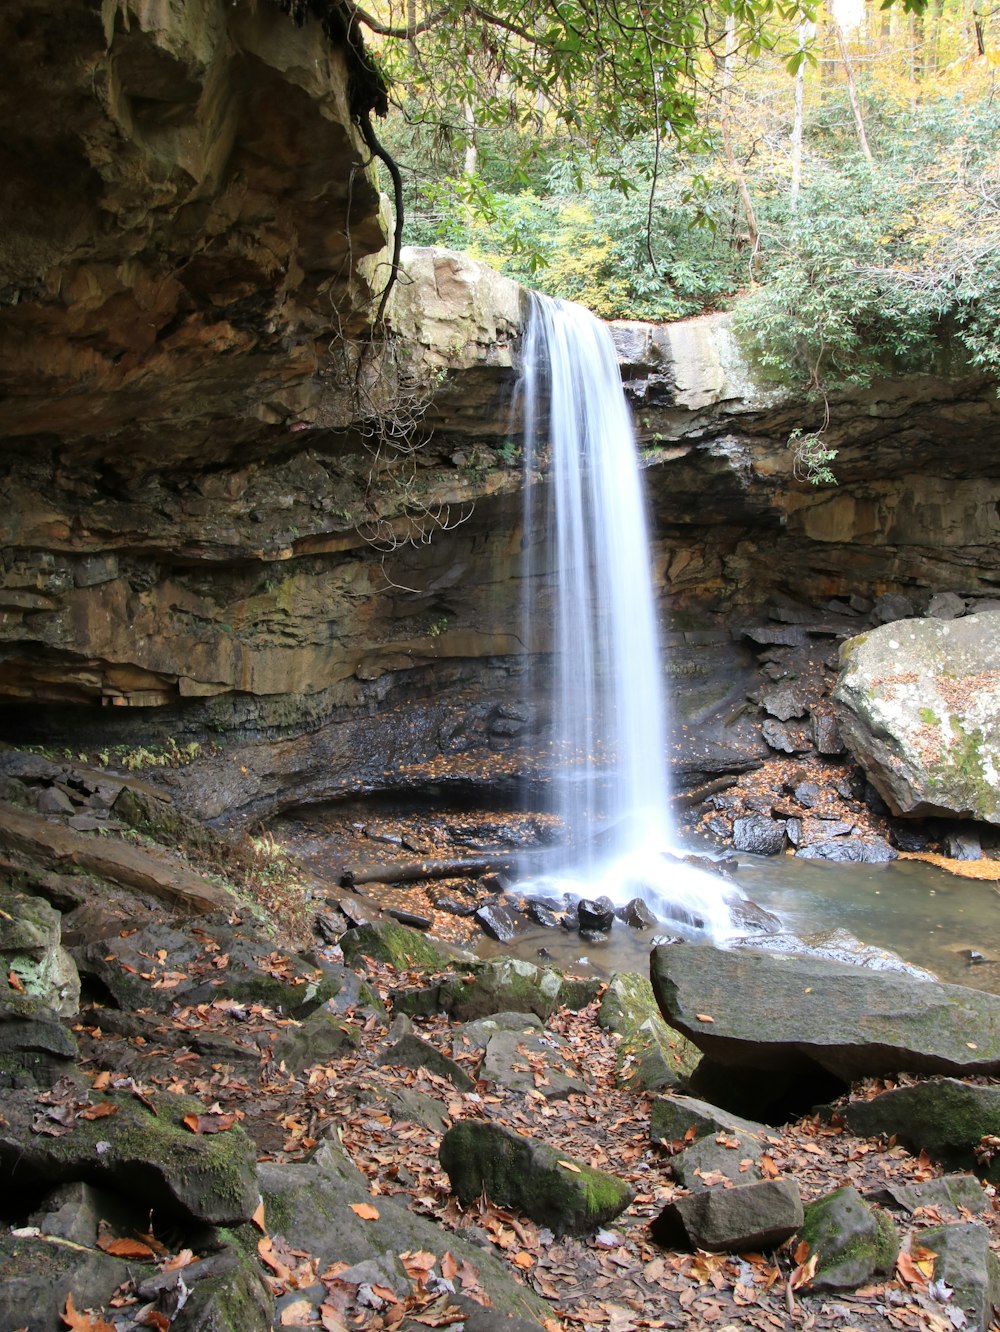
[
  {"x": 402, "y": 948},
  {"x": 825, "y": 734},
  {"x": 800, "y": 1014},
  {"x": 554, "y": 1190},
  {"x": 783, "y": 703},
  {"x": 855, "y": 850},
  {"x": 542, "y": 914},
  {"x": 454, "y": 907},
  {"x": 756, "y": 1216},
  {"x": 497, "y": 922},
  {"x": 759, "y": 835},
  {"x": 779, "y": 737},
  {"x": 596, "y": 915},
  {"x": 637, "y": 914},
  {"x": 946, "y": 606},
  {"x": 963, "y": 846},
  {"x": 908, "y": 837},
  {"x": 835, "y": 827},
  {"x": 945, "y": 1117},
  {"x": 966, "y": 1264},
  {"x": 650, "y": 1055},
  {"x": 807, "y": 794},
  {"x": 853, "y": 1241}
]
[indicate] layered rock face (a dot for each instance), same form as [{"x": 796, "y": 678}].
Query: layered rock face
[{"x": 231, "y": 515}]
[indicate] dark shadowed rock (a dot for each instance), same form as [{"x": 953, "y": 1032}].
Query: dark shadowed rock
[
  {"x": 596, "y": 915},
  {"x": 637, "y": 914},
  {"x": 554, "y": 1190},
  {"x": 497, "y": 921},
  {"x": 853, "y": 1241},
  {"x": 755, "y": 1216},
  {"x": 750, "y": 1009}
]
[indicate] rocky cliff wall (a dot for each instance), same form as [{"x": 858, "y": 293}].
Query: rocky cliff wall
[{"x": 221, "y": 524}]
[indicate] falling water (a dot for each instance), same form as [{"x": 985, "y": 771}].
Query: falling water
[{"x": 608, "y": 763}]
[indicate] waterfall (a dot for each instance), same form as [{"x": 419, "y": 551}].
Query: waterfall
[{"x": 586, "y": 533}]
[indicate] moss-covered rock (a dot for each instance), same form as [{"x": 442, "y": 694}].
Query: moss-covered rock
[
  {"x": 505, "y": 986},
  {"x": 400, "y": 947},
  {"x": 853, "y": 1241},
  {"x": 942, "y": 1116},
  {"x": 412, "y": 1052},
  {"x": 672, "y": 1118},
  {"x": 554, "y": 1190},
  {"x": 31, "y": 952},
  {"x": 651, "y": 1055},
  {"x": 134, "y": 1148}
]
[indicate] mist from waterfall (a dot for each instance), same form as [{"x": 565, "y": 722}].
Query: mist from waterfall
[{"x": 608, "y": 763}]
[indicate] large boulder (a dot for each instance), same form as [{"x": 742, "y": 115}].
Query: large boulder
[
  {"x": 918, "y": 704},
  {"x": 955, "y": 1122},
  {"x": 754, "y": 1010},
  {"x": 568, "y": 1196}
]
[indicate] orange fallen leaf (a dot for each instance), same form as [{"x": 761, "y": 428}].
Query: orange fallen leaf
[
  {"x": 154, "y": 1319},
  {"x": 298, "y": 1314},
  {"x": 14, "y": 980},
  {"x": 83, "y": 1322},
  {"x": 569, "y": 1165},
  {"x": 768, "y": 1168},
  {"x": 704, "y": 1017},
  {"x": 523, "y": 1260},
  {"x": 916, "y": 1267},
  {"x": 102, "y": 1080},
  {"x": 208, "y": 1123},
  {"x": 258, "y": 1218},
  {"x": 125, "y": 1248},
  {"x": 365, "y": 1210},
  {"x": 99, "y": 1111},
  {"x": 804, "y": 1273},
  {"x": 181, "y": 1259},
  {"x": 267, "y": 1255}
]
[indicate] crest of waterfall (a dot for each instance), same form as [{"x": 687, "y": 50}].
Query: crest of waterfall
[{"x": 586, "y": 536}]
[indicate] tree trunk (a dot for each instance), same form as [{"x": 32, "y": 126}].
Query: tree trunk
[
  {"x": 800, "y": 88},
  {"x": 852, "y": 92},
  {"x": 739, "y": 175}
]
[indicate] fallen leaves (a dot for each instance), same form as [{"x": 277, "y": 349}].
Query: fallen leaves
[
  {"x": 80, "y": 1321},
  {"x": 365, "y": 1210},
  {"x": 209, "y": 1123}
]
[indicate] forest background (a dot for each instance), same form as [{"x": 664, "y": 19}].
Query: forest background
[{"x": 832, "y": 175}]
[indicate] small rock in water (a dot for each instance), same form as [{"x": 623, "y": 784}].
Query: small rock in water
[
  {"x": 759, "y": 835},
  {"x": 541, "y": 914},
  {"x": 637, "y": 914},
  {"x": 596, "y": 915},
  {"x": 866, "y": 850},
  {"x": 497, "y": 922}
]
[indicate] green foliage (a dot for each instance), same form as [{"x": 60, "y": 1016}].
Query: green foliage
[{"x": 812, "y": 459}]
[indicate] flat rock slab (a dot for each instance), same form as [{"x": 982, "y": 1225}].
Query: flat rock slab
[
  {"x": 943, "y": 1116},
  {"x": 674, "y": 1117},
  {"x": 128, "y": 1148},
  {"x": 750, "y": 1009},
  {"x": 164, "y": 876},
  {"x": 555, "y": 1190},
  {"x": 532, "y": 1063},
  {"x": 718, "y": 1158},
  {"x": 159, "y": 967},
  {"x": 311, "y": 1205},
  {"x": 411, "y": 1051},
  {"x": 949, "y": 1195},
  {"x": 756, "y": 1216}
]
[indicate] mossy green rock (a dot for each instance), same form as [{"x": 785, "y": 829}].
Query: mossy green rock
[
  {"x": 194, "y": 1176},
  {"x": 853, "y": 1242},
  {"x": 507, "y": 986},
  {"x": 943, "y": 1116},
  {"x": 918, "y": 704},
  {"x": 322, "y": 1036},
  {"x": 651, "y": 1055},
  {"x": 399, "y": 946},
  {"x": 31, "y": 950},
  {"x": 568, "y": 1196}
]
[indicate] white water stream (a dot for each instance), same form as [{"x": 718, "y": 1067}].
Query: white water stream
[{"x": 608, "y": 763}]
